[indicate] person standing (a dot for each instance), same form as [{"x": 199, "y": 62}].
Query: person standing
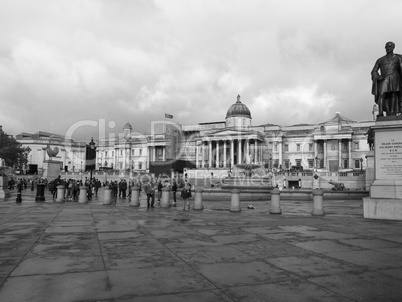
[
  {"x": 174, "y": 190},
  {"x": 186, "y": 194},
  {"x": 159, "y": 190},
  {"x": 149, "y": 189}
]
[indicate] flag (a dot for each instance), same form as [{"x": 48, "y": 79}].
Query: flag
[{"x": 168, "y": 115}]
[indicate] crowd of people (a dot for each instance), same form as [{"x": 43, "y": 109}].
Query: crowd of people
[{"x": 121, "y": 189}]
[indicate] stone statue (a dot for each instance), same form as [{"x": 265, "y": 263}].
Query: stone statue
[
  {"x": 370, "y": 138},
  {"x": 50, "y": 152},
  {"x": 387, "y": 86}
]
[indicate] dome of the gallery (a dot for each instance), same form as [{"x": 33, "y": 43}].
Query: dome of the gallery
[
  {"x": 238, "y": 109},
  {"x": 127, "y": 126}
]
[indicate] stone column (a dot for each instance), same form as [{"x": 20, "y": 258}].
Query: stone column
[
  {"x": 107, "y": 200},
  {"x": 280, "y": 152},
  {"x": 315, "y": 151},
  {"x": 317, "y": 202},
  {"x": 83, "y": 195},
  {"x": 165, "y": 198},
  {"x": 60, "y": 193},
  {"x": 197, "y": 165},
  {"x": 239, "y": 153},
  {"x": 325, "y": 155},
  {"x": 198, "y": 204},
  {"x": 232, "y": 153},
  {"x": 340, "y": 153},
  {"x": 224, "y": 154},
  {"x": 350, "y": 153},
  {"x": 235, "y": 201},
  {"x": 135, "y": 196},
  {"x": 217, "y": 154},
  {"x": 203, "y": 154},
  {"x": 153, "y": 153},
  {"x": 164, "y": 153},
  {"x": 210, "y": 154},
  {"x": 247, "y": 148},
  {"x": 256, "y": 152}
]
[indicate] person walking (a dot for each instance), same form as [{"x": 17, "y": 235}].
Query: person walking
[
  {"x": 149, "y": 189},
  {"x": 186, "y": 194}
]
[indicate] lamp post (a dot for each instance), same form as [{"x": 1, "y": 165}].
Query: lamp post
[{"x": 92, "y": 156}]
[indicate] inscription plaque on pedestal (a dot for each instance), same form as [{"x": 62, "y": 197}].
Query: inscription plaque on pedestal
[{"x": 388, "y": 155}]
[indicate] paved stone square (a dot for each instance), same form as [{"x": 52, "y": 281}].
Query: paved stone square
[{"x": 93, "y": 252}]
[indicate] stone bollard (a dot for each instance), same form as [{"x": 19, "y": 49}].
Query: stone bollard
[
  {"x": 275, "y": 202},
  {"x": 60, "y": 193},
  {"x": 107, "y": 199},
  {"x": 40, "y": 192},
  {"x": 135, "y": 196},
  {"x": 143, "y": 200},
  {"x": 316, "y": 183},
  {"x": 83, "y": 195},
  {"x": 317, "y": 203},
  {"x": 165, "y": 198},
  {"x": 198, "y": 204},
  {"x": 235, "y": 201}
]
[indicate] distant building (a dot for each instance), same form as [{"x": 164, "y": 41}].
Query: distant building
[
  {"x": 71, "y": 153},
  {"x": 337, "y": 145}
]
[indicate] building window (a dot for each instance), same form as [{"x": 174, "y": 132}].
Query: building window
[
  {"x": 357, "y": 164},
  {"x": 140, "y": 151},
  {"x": 356, "y": 145},
  {"x": 286, "y": 164},
  {"x": 311, "y": 163},
  {"x": 140, "y": 165},
  {"x": 345, "y": 164},
  {"x": 121, "y": 152},
  {"x": 105, "y": 153},
  {"x": 276, "y": 163},
  {"x": 298, "y": 162},
  {"x": 286, "y": 147},
  {"x": 121, "y": 165},
  {"x": 298, "y": 147},
  {"x": 133, "y": 152},
  {"x": 310, "y": 147},
  {"x": 321, "y": 164},
  {"x": 275, "y": 147}
]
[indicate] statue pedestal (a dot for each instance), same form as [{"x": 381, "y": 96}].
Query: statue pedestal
[
  {"x": 51, "y": 169},
  {"x": 385, "y": 201},
  {"x": 4, "y": 191}
]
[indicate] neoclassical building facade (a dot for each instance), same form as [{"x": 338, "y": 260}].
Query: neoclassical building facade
[{"x": 336, "y": 145}]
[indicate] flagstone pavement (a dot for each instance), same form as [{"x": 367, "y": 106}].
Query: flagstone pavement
[{"x": 93, "y": 252}]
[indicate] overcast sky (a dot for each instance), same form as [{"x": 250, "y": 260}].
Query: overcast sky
[{"x": 63, "y": 63}]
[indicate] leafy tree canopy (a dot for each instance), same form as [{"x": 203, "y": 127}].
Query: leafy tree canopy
[{"x": 12, "y": 151}]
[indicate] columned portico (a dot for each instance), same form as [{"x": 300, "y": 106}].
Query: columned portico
[{"x": 227, "y": 151}]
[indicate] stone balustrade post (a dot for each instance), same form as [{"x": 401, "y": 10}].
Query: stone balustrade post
[
  {"x": 135, "y": 196},
  {"x": 235, "y": 201},
  {"x": 83, "y": 195},
  {"x": 107, "y": 199},
  {"x": 317, "y": 202},
  {"x": 275, "y": 202},
  {"x": 198, "y": 204},
  {"x": 165, "y": 198},
  {"x": 60, "y": 193}
]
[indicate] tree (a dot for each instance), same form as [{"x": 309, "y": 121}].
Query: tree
[{"x": 12, "y": 151}]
